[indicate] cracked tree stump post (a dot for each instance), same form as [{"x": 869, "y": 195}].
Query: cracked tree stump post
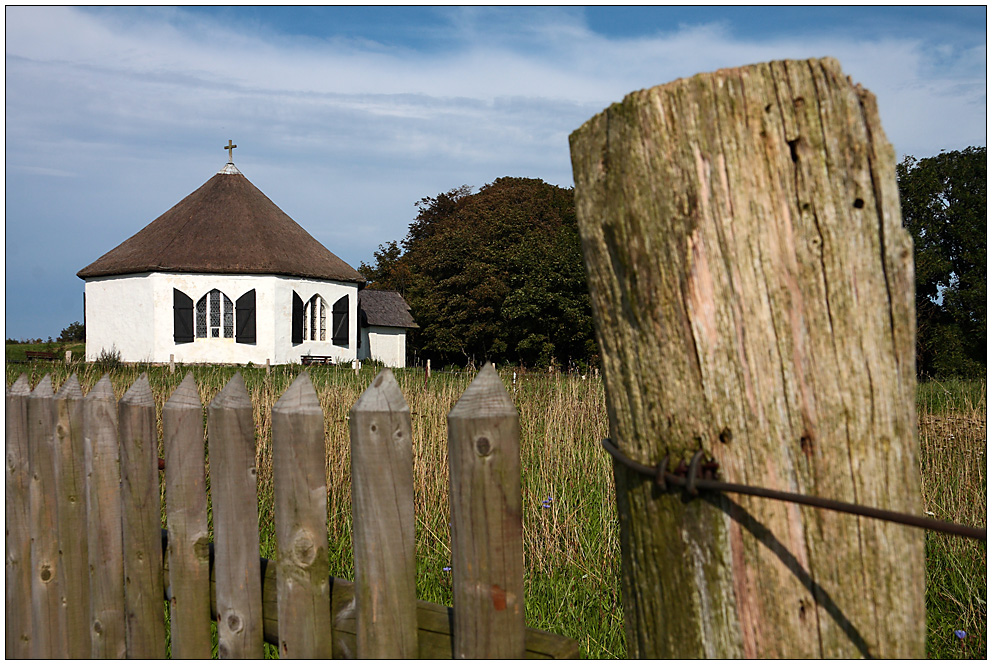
[{"x": 753, "y": 295}]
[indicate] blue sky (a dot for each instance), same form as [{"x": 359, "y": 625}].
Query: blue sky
[{"x": 346, "y": 116}]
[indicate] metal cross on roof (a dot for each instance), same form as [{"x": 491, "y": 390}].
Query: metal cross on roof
[{"x": 230, "y": 150}]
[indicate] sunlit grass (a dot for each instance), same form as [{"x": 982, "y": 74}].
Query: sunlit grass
[{"x": 571, "y": 540}]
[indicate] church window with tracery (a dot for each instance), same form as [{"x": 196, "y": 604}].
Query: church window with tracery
[
  {"x": 315, "y": 320},
  {"x": 211, "y": 310}
]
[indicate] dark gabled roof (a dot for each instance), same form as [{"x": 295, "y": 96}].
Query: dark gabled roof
[
  {"x": 225, "y": 226},
  {"x": 384, "y": 308}
]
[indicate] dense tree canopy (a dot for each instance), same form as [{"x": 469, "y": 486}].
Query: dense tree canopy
[
  {"x": 495, "y": 275},
  {"x": 943, "y": 207},
  {"x": 498, "y": 275}
]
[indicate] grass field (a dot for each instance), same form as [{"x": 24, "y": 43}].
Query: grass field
[{"x": 571, "y": 546}]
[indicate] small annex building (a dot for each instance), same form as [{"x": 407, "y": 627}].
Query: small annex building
[
  {"x": 224, "y": 276},
  {"x": 384, "y": 319}
]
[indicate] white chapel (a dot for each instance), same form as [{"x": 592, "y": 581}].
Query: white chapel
[{"x": 225, "y": 276}]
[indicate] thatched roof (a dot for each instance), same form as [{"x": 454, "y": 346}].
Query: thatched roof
[
  {"x": 226, "y": 226},
  {"x": 384, "y": 308}
]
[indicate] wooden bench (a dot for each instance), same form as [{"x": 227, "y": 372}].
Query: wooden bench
[
  {"x": 317, "y": 360},
  {"x": 39, "y": 355}
]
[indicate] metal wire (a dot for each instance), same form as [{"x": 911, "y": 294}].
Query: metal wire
[{"x": 693, "y": 483}]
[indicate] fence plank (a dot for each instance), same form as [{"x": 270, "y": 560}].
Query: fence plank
[
  {"x": 103, "y": 506},
  {"x": 753, "y": 295},
  {"x": 383, "y": 522},
  {"x": 434, "y": 622},
  {"x": 487, "y": 531},
  {"x": 141, "y": 513},
  {"x": 70, "y": 475},
  {"x": 233, "y": 487},
  {"x": 18, "y": 519},
  {"x": 48, "y": 613},
  {"x": 298, "y": 459},
  {"x": 186, "y": 517}
]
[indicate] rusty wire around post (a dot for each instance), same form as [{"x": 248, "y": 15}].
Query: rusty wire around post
[{"x": 692, "y": 483}]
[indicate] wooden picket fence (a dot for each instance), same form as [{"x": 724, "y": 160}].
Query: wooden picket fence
[{"x": 89, "y": 567}]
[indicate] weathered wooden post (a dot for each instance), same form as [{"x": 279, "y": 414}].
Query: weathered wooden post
[
  {"x": 103, "y": 506},
  {"x": 233, "y": 488},
  {"x": 47, "y": 611},
  {"x": 298, "y": 458},
  {"x": 383, "y": 518},
  {"x": 186, "y": 515},
  {"x": 70, "y": 478},
  {"x": 753, "y": 296},
  {"x": 17, "y": 478},
  {"x": 144, "y": 586},
  {"x": 487, "y": 557}
]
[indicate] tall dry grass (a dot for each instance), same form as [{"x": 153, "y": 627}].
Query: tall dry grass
[{"x": 571, "y": 545}]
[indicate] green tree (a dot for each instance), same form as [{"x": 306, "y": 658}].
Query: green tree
[
  {"x": 495, "y": 275},
  {"x": 74, "y": 332},
  {"x": 943, "y": 207}
]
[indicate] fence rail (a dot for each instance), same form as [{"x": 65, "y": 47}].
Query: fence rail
[{"x": 89, "y": 568}]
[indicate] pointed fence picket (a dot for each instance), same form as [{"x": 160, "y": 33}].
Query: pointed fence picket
[{"x": 89, "y": 568}]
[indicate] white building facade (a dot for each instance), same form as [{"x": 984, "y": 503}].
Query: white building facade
[
  {"x": 231, "y": 318},
  {"x": 384, "y": 320},
  {"x": 224, "y": 276}
]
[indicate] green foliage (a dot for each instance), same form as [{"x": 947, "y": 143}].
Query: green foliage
[
  {"x": 943, "y": 207},
  {"x": 493, "y": 276},
  {"x": 109, "y": 360},
  {"x": 74, "y": 332}
]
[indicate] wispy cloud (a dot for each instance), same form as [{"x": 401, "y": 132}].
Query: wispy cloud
[{"x": 137, "y": 103}]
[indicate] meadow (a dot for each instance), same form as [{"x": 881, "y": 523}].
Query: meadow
[{"x": 571, "y": 539}]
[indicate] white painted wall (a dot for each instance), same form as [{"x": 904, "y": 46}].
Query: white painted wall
[
  {"x": 120, "y": 315},
  {"x": 330, "y": 292},
  {"x": 134, "y": 313},
  {"x": 384, "y": 343}
]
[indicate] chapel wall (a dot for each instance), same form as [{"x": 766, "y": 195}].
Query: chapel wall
[{"x": 120, "y": 317}]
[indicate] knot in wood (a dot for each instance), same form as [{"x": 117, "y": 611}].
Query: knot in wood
[
  {"x": 201, "y": 548},
  {"x": 304, "y": 550},
  {"x": 234, "y": 623},
  {"x": 46, "y": 573},
  {"x": 483, "y": 446},
  {"x": 60, "y": 430},
  {"x": 98, "y": 628}
]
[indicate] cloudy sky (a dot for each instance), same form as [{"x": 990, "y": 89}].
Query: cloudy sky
[{"x": 345, "y": 116}]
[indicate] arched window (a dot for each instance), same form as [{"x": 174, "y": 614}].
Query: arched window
[
  {"x": 315, "y": 320},
  {"x": 214, "y": 316}
]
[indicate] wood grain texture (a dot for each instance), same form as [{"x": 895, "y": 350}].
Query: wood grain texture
[
  {"x": 103, "y": 507},
  {"x": 70, "y": 479},
  {"x": 434, "y": 622},
  {"x": 383, "y": 521},
  {"x": 752, "y": 289},
  {"x": 233, "y": 487},
  {"x": 48, "y": 612},
  {"x": 17, "y": 563},
  {"x": 141, "y": 520},
  {"x": 298, "y": 458},
  {"x": 486, "y": 508},
  {"x": 186, "y": 517}
]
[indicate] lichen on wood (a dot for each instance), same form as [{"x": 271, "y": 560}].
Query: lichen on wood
[{"x": 752, "y": 289}]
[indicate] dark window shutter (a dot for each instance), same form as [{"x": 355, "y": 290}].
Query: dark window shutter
[
  {"x": 182, "y": 317},
  {"x": 244, "y": 310},
  {"x": 297, "y": 337},
  {"x": 340, "y": 322}
]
